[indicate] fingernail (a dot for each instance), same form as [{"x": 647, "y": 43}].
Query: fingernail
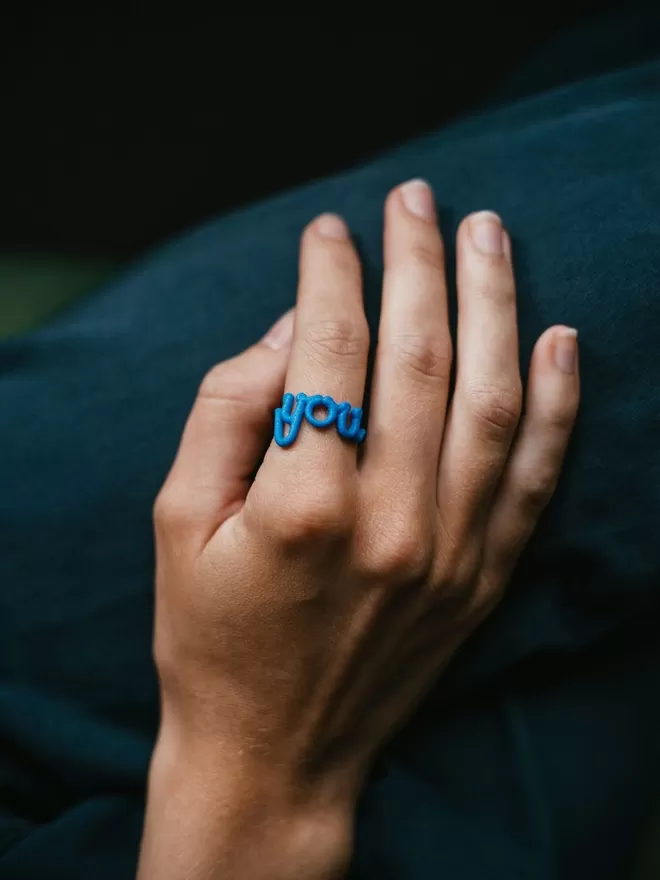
[
  {"x": 566, "y": 349},
  {"x": 486, "y": 232},
  {"x": 280, "y": 334},
  {"x": 418, "y": 198},
  {"x": 332, "y": 226}
]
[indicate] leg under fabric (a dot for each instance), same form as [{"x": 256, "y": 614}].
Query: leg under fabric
[{"x": 537, "y": 755}]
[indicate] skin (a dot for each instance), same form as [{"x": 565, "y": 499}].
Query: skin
[{"x": 300, "y": 622}]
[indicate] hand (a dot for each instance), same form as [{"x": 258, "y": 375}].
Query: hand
[{"x": 300, "y": 618}]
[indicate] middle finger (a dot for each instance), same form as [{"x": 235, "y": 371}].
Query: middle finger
[
  {"x": 413, "y": 358},
  {"x": 487, "y": 399}
]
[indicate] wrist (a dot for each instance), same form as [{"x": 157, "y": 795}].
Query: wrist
[{"x": 210, "y": 815}]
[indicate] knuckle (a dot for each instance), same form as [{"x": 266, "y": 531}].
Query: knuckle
[
  {"x": 163, "y": 658},
  {"x": 424, "y": 355},
  {"x": 338, "y": 337},
  {"x": 170, "y": 511},
  {"x": 214, "y": 382},
  {"x": 455, "y": 599},
  {"x": 536, "y": 488},
  {"x": 401, "y": 558},
  {"x": 328, "y": 513},
  {"x": 428, "y": 256},
  {"x": 164, "y": 652},
  {"x": 455, "y": 586},
  {"x": 457, "y": 581},
  {"x": 225, "y": 387},
  {"x": 487, "y": 594},
  {"x": 449, "y": 550},
  {"x": 495, "y": 409},
  {"x": 456, "y": 575},
  {"x": 562, "y": 417},
  {"x": 223, "y": 383}
]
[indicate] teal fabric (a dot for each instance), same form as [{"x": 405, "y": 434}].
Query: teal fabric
[
  {"x": 34, "y": 287},
  {"x": 539, "y": 754}
]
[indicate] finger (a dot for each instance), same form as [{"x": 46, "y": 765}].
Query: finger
[
  {"x": 487, "y": 398},
  {"x": 413, "y": 358},
  {"x": 329, "y": 352},
  {"x": 226, "y": 434},
  {"x": 531, "y": 474}
]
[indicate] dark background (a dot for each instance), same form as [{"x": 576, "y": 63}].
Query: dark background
[
  {"x": 121, "y": 130},
  {"x": 118, "y": 131}
]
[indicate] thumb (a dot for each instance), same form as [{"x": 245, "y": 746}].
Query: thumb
[{"x": 226, "y": 434}]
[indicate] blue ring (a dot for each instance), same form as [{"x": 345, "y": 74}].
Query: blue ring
[
  {"x": 313, "y": 403},
  {"x": 289, "y": 418}
]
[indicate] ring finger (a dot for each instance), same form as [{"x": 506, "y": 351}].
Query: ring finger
[{"x": 329, "y": 352}]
